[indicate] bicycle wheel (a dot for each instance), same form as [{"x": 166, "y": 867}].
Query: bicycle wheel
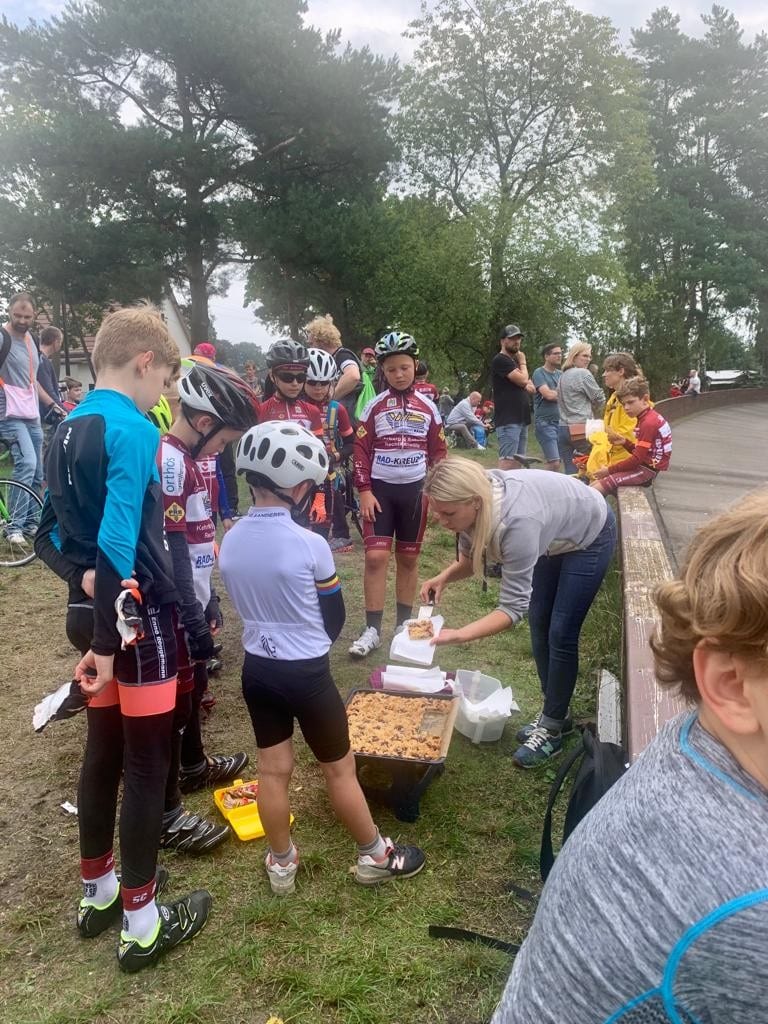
[
  {"x": 351, "y": 504},
  {"x": 20, "y": 510}
]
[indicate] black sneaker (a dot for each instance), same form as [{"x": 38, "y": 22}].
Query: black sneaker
[
  {"x": 189, "y": 833},
  {"x": 179, "y": 922},
  {"x": 527, "y": 730},
  {"x": 401, "y": 862},
  {"x": 92, "y": 921},
  {"x": 220, "y": 768}
]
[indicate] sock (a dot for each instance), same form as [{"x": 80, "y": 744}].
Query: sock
[
  {"x": 140, "y": 916},
  {"x": 374, "y": 619},
  {"x": 170, "y": 816},
  {"x": 197, "y": 769},
  {"x": 100, "y": 884},
  {"x": 376, "y": 849},
  {"x": 404, "y": 611},
  {"x": 290, "y": 856}
]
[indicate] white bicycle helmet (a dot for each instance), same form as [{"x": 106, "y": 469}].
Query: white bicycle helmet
[
  {"x": 282, "y": 454},
  {"x": 322, "y": 367}
]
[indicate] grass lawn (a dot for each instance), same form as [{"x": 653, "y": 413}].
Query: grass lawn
[{"x": 335, "y": 952}]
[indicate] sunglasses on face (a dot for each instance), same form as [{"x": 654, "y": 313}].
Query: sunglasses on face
[{"x": 290, "y": 378}]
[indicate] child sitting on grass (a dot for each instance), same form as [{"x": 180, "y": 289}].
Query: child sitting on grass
[
  {"x": 651, "y": 450},
  {"x": 283, "y": 584}
]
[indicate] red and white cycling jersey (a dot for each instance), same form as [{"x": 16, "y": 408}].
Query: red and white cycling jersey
[
  {"x": 653, "y": 447},
  {"x": 399, "y": 437},
  {"x": 187, "y": 510},
  {"x": 298, "y": 411}
]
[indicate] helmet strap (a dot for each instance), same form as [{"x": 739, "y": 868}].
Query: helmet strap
[{"x": 203, "y": 438}]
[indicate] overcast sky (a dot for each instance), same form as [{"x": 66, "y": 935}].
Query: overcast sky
[{"x": 381, "y": 27}]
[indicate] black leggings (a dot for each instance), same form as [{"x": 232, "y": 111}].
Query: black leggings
[{"x": 139, "y": 749}]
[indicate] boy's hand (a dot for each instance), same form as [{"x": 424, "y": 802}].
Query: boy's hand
[
  {"x": 599, "y": 474},
  {"x": 201, "y": 645},
  {"x": 88, "y": 583},
  {"x": 614, "y": 437},
  {"x": 369, "y": 506},
  {"x": 227, "y": 524},
  {"x": 94, "y": 672}
]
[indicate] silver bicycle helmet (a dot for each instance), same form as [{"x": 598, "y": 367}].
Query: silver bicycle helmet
[
  {"x": 396, "y": 343},
  {"x": 322, "y": 367}
]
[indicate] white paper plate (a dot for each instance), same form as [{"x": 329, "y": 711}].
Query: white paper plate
[{"x": 417, "y": 652}]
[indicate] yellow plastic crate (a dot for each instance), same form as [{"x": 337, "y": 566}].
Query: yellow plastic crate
[{"x": 245, "y": 820}]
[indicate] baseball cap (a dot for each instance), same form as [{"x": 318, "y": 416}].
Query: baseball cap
[
  {"x": 206, "y": 350},
  {"x": 368, "y": 352},
  {"x": 511, "y": 330}
]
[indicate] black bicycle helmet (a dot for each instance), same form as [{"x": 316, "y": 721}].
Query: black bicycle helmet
[
  {"x": 396, "y": 343},
  {"x": 287, "y": 352},
  {"x": 218, "y": 392}
]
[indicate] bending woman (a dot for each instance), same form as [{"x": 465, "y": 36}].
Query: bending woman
[{"x": 554, "y": 542}]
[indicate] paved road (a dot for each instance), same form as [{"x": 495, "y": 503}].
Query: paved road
[{"x": 717, "y": 456}]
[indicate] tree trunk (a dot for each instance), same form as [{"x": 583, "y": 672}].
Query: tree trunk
[{"x": 761, "y": 334}]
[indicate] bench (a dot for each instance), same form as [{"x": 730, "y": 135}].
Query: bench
[{"x": 644, "y": 564}]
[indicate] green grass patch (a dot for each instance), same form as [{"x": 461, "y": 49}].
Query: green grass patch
[{"x": 335, "y": 953}]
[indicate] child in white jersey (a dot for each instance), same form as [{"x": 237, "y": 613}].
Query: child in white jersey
[{"x": 283, "y": 584}]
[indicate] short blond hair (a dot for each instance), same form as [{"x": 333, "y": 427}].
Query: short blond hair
[
  {"x": 323, "y": 331},
  {"x": 720, "y": 597},
  {"x": 127, "y": 333},
  {"x": 456, "y": 479}
]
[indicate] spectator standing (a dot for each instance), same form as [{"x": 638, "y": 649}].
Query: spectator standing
[
  {"x": 579, "y": 398},
  {"x": 694, "y": 383},
  {"x": 19, "y": 410},
  {"x": 422, "y": 383},
  {"x": 463, "y": 420},
  {"x": 664, "y": 879},
  {"x": 546, "y": 412},
  {"x": 323, "y": 333},
  {"x": 445, "y": 403},
  {"x": 511, "y": 389},
  {"x": 51, "y": 410}
]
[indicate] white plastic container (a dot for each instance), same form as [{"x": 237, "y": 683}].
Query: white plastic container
[{"x": 475, "y": 689}]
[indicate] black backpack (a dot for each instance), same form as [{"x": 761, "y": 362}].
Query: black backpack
[
  {"x": 599, "y": 766},
  {"x": 6, "y": 341}
]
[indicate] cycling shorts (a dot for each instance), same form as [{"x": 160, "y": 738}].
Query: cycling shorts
[
  {"x": 403, "y": 516},
  {"x": 279, "y": 692},
  {"x": 145, "y": 673}
]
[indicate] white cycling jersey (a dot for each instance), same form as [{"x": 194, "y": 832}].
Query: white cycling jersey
[{"x": 274, "y": 571}]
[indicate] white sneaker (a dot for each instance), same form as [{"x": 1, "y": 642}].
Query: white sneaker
[
  {"x": 282, "y": 877},
  {"x": 368, "y": 641},
  {"x": 481, "y": 447},
  {"x": 16, "y": 537}
]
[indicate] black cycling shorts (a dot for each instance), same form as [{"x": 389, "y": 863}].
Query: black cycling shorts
[
  {"x": 403, "y": 516},
  {"x": 153, "y": 658},
  {"x": 277, "y": 692}
]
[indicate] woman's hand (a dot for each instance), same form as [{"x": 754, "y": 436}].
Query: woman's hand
[
  {"x": 369, "y": 506},
  {"x": 436, "y": 584},
  {"x": 448, "y": 636}
]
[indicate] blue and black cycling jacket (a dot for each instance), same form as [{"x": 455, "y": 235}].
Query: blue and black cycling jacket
[{"x": 104, "y": 507}]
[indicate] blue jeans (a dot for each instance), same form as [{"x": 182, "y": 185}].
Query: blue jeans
[
  {"x": 546, "y": 435},
  {"x": 563, "y": 589},
  {"x": 479, "y": 432},
  {"x": 25, "y": 440},
  {"x": 513, "y": 439}
]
